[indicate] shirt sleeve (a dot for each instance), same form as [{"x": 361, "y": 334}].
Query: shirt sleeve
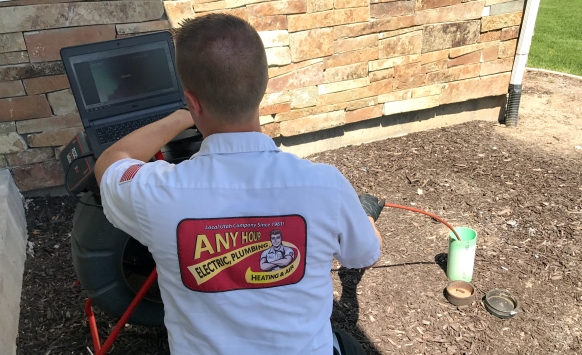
[
  {"x": 359, "y": 246},
  {"x": 117, "y": 195}
]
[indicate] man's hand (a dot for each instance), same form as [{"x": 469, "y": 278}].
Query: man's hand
[{"x": 371, "y": 205}]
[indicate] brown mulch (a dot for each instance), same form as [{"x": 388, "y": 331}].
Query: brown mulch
[{"x": 525, "y": 203}]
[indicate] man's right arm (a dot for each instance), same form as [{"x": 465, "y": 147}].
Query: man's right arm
[{"x": 359, "y": 240}]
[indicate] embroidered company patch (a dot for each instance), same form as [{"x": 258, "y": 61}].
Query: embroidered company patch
[
  {"x": 130, "y": 173},
  {"x": 241, "y": 253}
]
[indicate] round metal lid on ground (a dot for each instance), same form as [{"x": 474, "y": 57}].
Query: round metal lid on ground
[{"x": 501, "y": 303}]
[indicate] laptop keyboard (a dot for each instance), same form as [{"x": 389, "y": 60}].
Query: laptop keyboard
[{"x": 113, "y": 133}]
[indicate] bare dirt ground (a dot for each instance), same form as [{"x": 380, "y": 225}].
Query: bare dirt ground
[{"x": 520, "y": 189}]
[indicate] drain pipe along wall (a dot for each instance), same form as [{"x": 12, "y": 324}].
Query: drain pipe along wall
[{"x": 521, "y": 54}]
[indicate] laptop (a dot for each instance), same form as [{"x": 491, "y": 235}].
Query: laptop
[{"x": 122, "y": 85}]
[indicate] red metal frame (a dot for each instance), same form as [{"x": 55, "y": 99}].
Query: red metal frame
[{"x": 103, "y": 349}]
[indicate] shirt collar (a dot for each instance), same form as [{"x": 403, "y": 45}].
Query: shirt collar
[{"x": 239, "y": 142}]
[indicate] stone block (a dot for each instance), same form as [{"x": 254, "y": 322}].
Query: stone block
[
  {"x": 395, "y": 96},
  {"x": 469, "y": 58},
  {"x": 203, "y": 6},
  {"x": 311, "y": 20},
  {"x": 3, "y": 162},
  {"x": 496, "y": 66},
  {"x": 46, "y": 84},
  {"x": 280, "y": 7},
  {"x": 304, "y": 97},
  {"x": 269, "y": 23},
  {"x": 343, "y": 85},
  {"x": 278, "y": 38},
  {"x": 421, "y": 103},
  {"x": 391, "y": 62},
  {"x": 44, "y": 46},
  {"x": 453, "y": 74},
  {"x": 308, "y": 76},
  {"x": 24, "y": 107},
  {"x": 319, "y": 5},
  {"x": 30, "y": 70},
  {"x": 178, "y": 11},
  {"x": 12, "y": 42},
  {"x": 381, "y": 74},
  {"x": 40, "y": 17},
  {"x": 490, "y": 53},
  {"x": 361, "y": 103},
  {"x": 392, "y": 9},
  {"x": 263, "y": 120},
  {"x": 435, "y": 66},
  {"x": 427, "y": 91},
  {"x": 311, "y": 44},
  {"x": 53, "y": 138},
  {"x": 7, "y": 127},
  {"x": 475, "y": 88},
  {"x": 491, "y": 23},
  {"x": 493, "y": 2},
  {"x": 401, "y": 31},
  {"x": 309, "y": 111},
  {"x": 238, "y": 12},
  {"x": 38, "y": 176},
  {"x": 13, "y": 58},
  {"x": 48, "y": 123},
  {"x": 30, "y": 156},
  {"x": 509, "y": 33},
  {"x": 434, "y": 56},
  {"x": 275, "y": 98},
  {"x": 11, "y": 89},
  {"x": 432, "y": 4},
  {"x": 408, "y": 76},
  {"x": 341, "y": 59},
  {"x": 277, "y": 71},
  {"x": 342, "y": 4},
  {"x": 346, "y": 16},
  {"x": 62, "y": 102},
  {"x": 489, "y": 36},
  {"x": 460, "y": 12},
  {"x": 142, "y": 27},
  {"x": 273, "y": 109},
  {"x": 271, "y": 129},
  {"x": 507, "y": 48},
  {"x": 406, "y": 44},
  {"x": 448, "y": 35},
  {"x": 313, "y": 123},
  {"x": 364, "y": 114},
  {"x": 380, "y": 25},
  {"x": 352, "y": 44},
  {"x": 507, "y": 7},
  {"x": 346, "y": 72},
  {"x": 374, "y": 89},
  {"x": 11, "y": 142},
  {"x": 278, "y": 55}
]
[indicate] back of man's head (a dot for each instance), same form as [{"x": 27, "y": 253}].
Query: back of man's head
[{"x": 221, "y": 60}]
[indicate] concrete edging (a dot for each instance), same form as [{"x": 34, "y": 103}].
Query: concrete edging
[
  {"x": 538, "y": 70},
  {"x": 13, "y": 236}
]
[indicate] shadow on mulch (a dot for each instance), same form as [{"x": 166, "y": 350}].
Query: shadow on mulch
[{"x": 525, "y": 204}]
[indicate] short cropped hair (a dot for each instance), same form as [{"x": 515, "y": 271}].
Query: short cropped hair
[{"x": 221, "y": 59}]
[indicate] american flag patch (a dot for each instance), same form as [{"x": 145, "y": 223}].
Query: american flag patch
[{"x": 130, "y": 173}]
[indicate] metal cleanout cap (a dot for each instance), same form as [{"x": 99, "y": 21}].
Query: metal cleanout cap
[{"x": 501, "y": 303}]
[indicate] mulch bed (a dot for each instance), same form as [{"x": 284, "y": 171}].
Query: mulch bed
[{"x": 525, "y": 204}]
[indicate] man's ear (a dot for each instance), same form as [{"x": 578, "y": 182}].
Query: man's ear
[{"x": 193, "y": 103}]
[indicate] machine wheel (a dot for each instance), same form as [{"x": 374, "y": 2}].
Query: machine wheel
[{"x": 112, "y": 266}]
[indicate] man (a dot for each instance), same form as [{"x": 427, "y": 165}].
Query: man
[
  {"x": 203, "y": 219},
  {"x": 278, "y": 255}
]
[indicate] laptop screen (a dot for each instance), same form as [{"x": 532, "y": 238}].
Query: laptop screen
[{"x": 124, "y": 75}]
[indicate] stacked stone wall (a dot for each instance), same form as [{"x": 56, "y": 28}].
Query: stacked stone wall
[{"x": 331, "y": 62}]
